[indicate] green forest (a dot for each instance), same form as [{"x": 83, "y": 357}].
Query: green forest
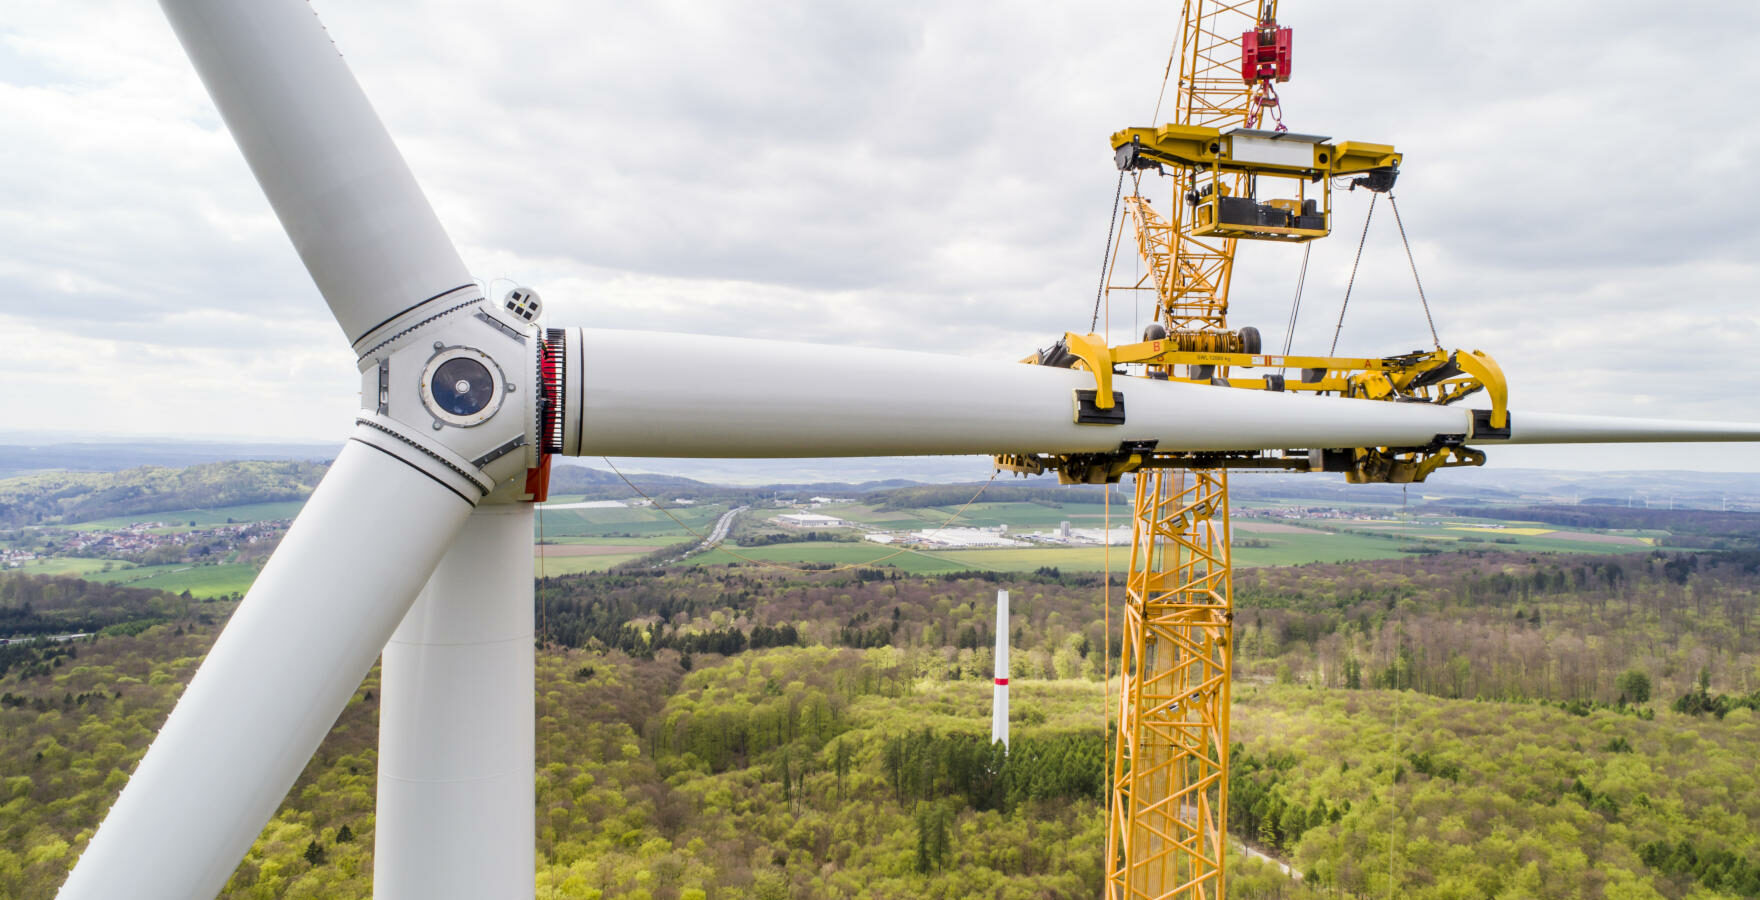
[{"x": 1471, "y": 725}]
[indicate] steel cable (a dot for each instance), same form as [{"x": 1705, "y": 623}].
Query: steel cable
[
  {"x": 1295, "y": 305},
  {"x": 1106, "y": 261},
  {"x": 1353, "y": 282},
  {"x": 1413, "y": 262}
]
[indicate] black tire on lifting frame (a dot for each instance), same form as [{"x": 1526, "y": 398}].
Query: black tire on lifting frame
[{"x": 1250, "y": 342}]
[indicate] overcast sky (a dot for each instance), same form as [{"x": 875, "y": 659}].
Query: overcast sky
[{"x": 1579, "y": 185}]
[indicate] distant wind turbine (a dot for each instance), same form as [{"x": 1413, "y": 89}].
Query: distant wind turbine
[{"x": 999, "y": 693}]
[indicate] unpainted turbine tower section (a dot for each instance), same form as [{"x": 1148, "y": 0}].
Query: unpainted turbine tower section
[
  {"x": 999, "y": 691},
  {"x": 418, "y": 541}
]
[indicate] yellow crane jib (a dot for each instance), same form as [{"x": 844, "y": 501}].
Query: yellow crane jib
[{"x": 1224, "y": 171}]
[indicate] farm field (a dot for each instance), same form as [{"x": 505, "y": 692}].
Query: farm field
[
  {"x": 1259, "y": 542},
  {"x": 627, "y": 522},
  {"x": 1440, "y": 532},
  {"x": 1017, "y": 516},
  {"x": 71, "y": 565},
  {"x": 594, "y": 539},
  {"x": 573, "y": 555},
  {"x": 836, "y": 553},
  {"x": 179, "y": 519},
  {"x": 219, "y": 580}
]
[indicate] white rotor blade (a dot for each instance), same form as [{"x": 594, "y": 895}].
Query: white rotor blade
[
  {"x": 1567, "y": 428},
  {"x": 275, "y": 681},
  {"x": 342, "y": 191},
  {"x": 651, "y": 394}
]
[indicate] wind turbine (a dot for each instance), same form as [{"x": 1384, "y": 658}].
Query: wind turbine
[{"x": 417, "y": 543}]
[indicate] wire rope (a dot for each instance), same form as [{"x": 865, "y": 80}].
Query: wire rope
[
  {"x": 1295, "y": 304},
  {"x": 1413, "y": 262},
  {"x": 1106, "y": 259},
  {"x": 1166, "y": 75},
  {"x": 1353, "y": 282},
  {"x": 1106, "y": 655}
]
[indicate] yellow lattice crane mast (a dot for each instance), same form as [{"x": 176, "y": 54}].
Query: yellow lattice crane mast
[{"x": 1233, "y": 180}]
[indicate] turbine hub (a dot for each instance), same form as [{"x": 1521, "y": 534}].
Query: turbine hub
[{"x": 458, "y": 390}]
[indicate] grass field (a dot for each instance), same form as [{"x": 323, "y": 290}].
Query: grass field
[
  {"x": 1455, "y": 533},
  {"x": 649, "y": 542},
  {"x": 1292, "y": 544},
  {"x": 834, "y": 553},
  {"x": 200, "y": 581},
  {"x": 593, "y": 540},
  {"x": 573, "y": 555},
  {"x": 574, "y": 565},
  {"x": 642, "y": 522},
  {"x": 179, "y": 519},
  {"x": 1018, "y": 516},
  {"x": 71, "y": 565}
]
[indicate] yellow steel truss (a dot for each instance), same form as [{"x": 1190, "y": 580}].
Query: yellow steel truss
[
  {"x": 1191, "y": 286},
  {"x": 1167, "y": 831}
]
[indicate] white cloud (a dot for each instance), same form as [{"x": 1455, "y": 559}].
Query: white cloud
[{"x": 911, "y": 174}]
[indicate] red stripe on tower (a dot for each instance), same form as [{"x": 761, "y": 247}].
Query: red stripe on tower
[{"x": 1002, "y": 681}]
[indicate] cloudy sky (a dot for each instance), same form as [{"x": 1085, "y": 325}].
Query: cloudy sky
[{"x": 1579, "y": 187}]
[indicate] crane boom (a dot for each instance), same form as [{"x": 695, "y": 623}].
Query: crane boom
[{"x": 1167, "y": 832}]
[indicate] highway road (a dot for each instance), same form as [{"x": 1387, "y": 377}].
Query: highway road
[{"x": 722, "y": 526}]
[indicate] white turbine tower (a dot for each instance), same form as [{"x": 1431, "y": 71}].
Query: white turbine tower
[
  {"x": 999, "y": 693},
  {"x": 417, "y": 544}
]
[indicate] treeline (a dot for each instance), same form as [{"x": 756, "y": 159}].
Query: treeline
[
  {"x": 1056, "y": 616},
  {"x": 766, "y": 538},
  {"x": 48, "y": 605},
  {"x": 860, "y": 635},
  {"x": 781, "y": 714},
  {"x": 1504, "y": 626},
  {"x": 1715, "y": 868},
  {"x": 1260, "y": 808},
  {"x": 928, "y": 766},
  {"x": 643, "y": 643},
  {"x": 34, "y": 657},
  {"x": 1700, "y": 701},
  {"x": 1742, "y": 526}
]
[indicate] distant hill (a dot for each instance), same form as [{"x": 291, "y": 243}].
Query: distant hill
[
  {"x": 23, "y": 458},
  {"x": 81, "y": 499},
  {"x": 70, "y": 497}
]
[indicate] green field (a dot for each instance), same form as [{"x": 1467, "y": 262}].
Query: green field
[
  {"x": 71, "y": 565},
  {"x": 1450, "y": 534},
  {"x": 200, "y": 581},
  {"x": 558, "y": 560},
  {"x": 574, "y": 565},
  {"x": 835, "y": 553},
  {"x": 641, "y": 530},
  {"x": 1020, "y": 516},
  {"x": 641, "y": 522},
  {"x": 179, "y": 519},
  {"x": 1310, "y": 543},
  {"x": 649, "y": 542}
]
